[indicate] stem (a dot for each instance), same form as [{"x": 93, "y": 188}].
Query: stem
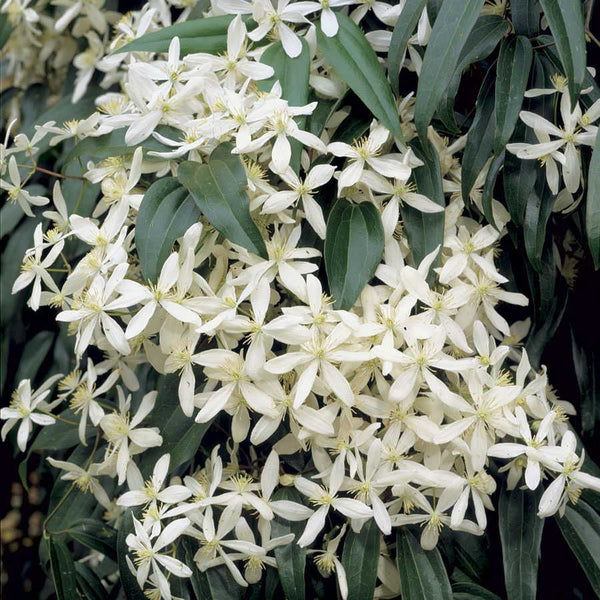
[{"x": 48, "y": 172}]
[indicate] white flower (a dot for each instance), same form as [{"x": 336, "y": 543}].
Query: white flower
[
  {"x": 22, "y": 408},
  {"x": 121, "y": 431},
  {"x": 15, "y": 190}
]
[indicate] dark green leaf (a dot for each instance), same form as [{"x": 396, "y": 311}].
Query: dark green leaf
[
  {"x": 525, "y": 17},
  {"x": 291, "y": 559},
  {"x": 89, "y": 583},
  {"x": 403, "y": 30},
  {"x": 488, "y": 187},
  {"x": 537, "y": 213},
  {"x": 5, "y": 29},
  {"x": 181, "y": 435},
  {"x": 10, "y": 216},
  {"x": 63, "y": 569},
  {"x": 592, "y": 207},
  {"x": 422, "y": 572},
  {"x": 216, "y": 583},
  {"x": 471, "y": 591},
  {"x": 353, "y": 247},
  {"x": 425, "y": 231},
  {"x": 292, "y": 74},
  {"x": 450, "y": 31},
  {"x": 61, "y": 435},
  {"x": 565, "y": 18},
  {"x": 581, "y": 529},
  {"x": 97, "y": 536},
  {"x": 586, "y": 363},
  {"x": 521, "y": 536},
  {"x": 219, "y": 189},
  {"x": 360, "y": 558},
  {"x": 480, "y": 138},
  {"x": 433, "y": 9},
  {"x": 355, "y": 61},
  {"x": 198, "y": 35},
  {"x": 514, "y": 64},
  {"x": 34, "y": 353},
  {"x": 128, "y": 581},
  {"x": 518, "y": 177},
  {"x": 166, "y": 212},
  {"x": 483, "y": 39}
]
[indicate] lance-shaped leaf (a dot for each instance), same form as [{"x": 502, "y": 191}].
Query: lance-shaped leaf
[
  {"x": 592, "y": 207},
  {"x": 581, "y": 529},
  {"x": 181, "y": 435},
  {"x": 521, "y": 536},
  {"x": 353, "y": 247},
  {"x": 63, "y": 569},
  {"x": 355, "y": 61},
  {"x": 425, "y": 231},
  {"x": 488, "y": 188},
  {"x": 403, "y": 30},
  {"x": 537, "y": 212},
  {"x": 360, "y": 558},
  {"x": 219, "y": 189},
  {"x": 422, "y": 572},
  {"x": 525, "y": 17},
  {"x": 291, "y": 559},
  {"x": 292, "y": 74},
  {"x": 514, "y": 64},
  {"x": 199, "y": 35},
  {"x": 471, "y": 591},
  {"x": 565, "y": 18},
  {"x": 480, "y": 138},
  {"x": 450, "y": 31},
  {"x": 96, "y": 535},
  {"x": 483, "y": 39},
  {"x": 166, "y": 212},
  {"x": 89, "y": 583}
]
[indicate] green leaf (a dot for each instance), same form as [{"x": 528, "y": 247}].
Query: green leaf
[
  {"x": 166, "y": 212},
  {"x": 592, "y": 207},
  {"x": 422, "y": 572},
  {"x": 128, "y": 581},
  {"x": 360, "y": 558},
  {"x": 198, "y": 35},
  {"x": 63, "y": 569},
  {"x": 514, "y": 64},
  {"x": 565, "y": 18},
  {"x": 181, "y": 435},
  {"x": 537, "y": 213},
  {"x": 403, "y": 30},
  {"x": 113, "y": 144},
  {"x": 448, "y": 36},
  {"x": 353, "y": 247},
  {"x": 518, "y": 177},
  {"x": 471, "y": 591},
  {"x": 425, "y": 231},
  {"x": 521, "y": 536},
  {"x": 97, "y": 536},
  {"x": 34, "y": 354},
  {"x": 219, "y": 189},
  {"x": 355, "y": 61},
  {"x": 480, "y": 138},
  {"x": 483, "y": 39},
  {"x": 292, "y": 74},
  {"x": 291, "y": 559},
  {"x": 89, "y": 583},
  {"x": 525, "y": 17},
  {"x": 216, "y": 583},
  {"x": 488, "y": 187},
  {"x": 581, "y": 529},
  {"x": 5, "y": 29}
]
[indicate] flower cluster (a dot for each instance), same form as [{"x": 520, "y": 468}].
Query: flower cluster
[{"x": 394, "y": 410}]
